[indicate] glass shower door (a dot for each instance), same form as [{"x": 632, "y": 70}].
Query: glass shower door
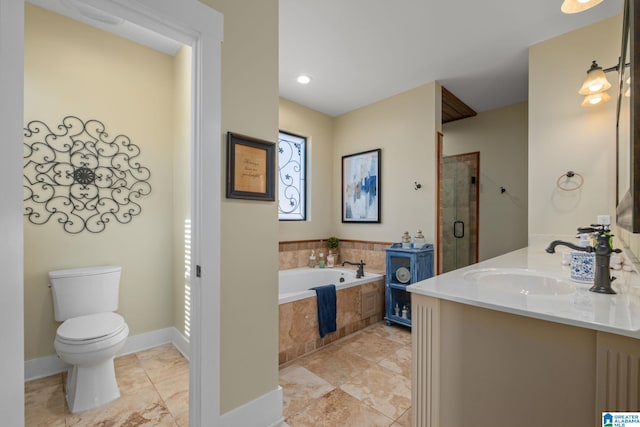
[{"x": 458, "y": 211}]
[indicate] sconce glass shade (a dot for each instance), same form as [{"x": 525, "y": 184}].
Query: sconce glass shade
[
  {"x": 595, "y": 82},
  {"x": 575, "y": 6},
  {"x": 595, "y": 99},
  {"x": 627, "y": 93}
]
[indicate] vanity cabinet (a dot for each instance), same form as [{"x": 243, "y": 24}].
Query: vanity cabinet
[
  {"x": 404, "y": 267},
  {"x": 498, "y": 351},
  {"x": 471, "y": 363}
]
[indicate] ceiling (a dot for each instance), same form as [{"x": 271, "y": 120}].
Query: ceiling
[{"x": 361, "y": 51}]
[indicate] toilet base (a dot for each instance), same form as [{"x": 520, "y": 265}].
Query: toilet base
[{"x": 91, "y": 386}]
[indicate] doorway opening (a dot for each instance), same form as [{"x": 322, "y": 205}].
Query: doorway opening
[{"x": 196, "y": 25}]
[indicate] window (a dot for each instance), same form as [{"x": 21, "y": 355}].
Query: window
[{"x": 292, "y": 177}]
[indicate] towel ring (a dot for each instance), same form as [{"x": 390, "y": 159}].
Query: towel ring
[{"x": 562, "y": 185}]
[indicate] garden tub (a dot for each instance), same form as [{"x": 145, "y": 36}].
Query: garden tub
[{"x": 360, "y": 302}]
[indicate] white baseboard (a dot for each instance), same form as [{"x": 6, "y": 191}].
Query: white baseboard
[
  {"x": 181, "y": 343},
  {"x": 50, "y": 365},
  {"x": 265, "y": 410},
  {"x": 43, "y": 367},
  {"x": 146, "y": 341}
]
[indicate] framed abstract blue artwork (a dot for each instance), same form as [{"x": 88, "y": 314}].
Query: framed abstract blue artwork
[{"x": 361, "y": 187}]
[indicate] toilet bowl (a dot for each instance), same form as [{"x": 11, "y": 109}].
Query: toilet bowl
[
  {"x": 89, "y": 344},
  {"x": 91, "y": 333}
]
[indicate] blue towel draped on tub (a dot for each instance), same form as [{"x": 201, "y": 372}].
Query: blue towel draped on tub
[{"x": 326, "y": 296}]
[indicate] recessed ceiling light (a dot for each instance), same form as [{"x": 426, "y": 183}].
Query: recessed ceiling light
[{"x": 303, "y": 79}]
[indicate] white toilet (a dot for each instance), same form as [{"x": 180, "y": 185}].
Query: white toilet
[{"x": 91, "y": 333}]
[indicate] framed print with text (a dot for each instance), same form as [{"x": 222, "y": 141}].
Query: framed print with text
[{"x": 250, "y": 168}]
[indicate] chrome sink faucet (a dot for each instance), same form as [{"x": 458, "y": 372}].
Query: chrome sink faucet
[
  {"x": 360, "y": 265},
  {"x": 602, "y": 249}
]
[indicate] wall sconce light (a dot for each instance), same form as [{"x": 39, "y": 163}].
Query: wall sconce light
[
  {"x": 575, "y": 6},
  {"x": 596, "y": 81},
  {"x": 595, "y": 99},
  {"x": 595, "y": 85}
]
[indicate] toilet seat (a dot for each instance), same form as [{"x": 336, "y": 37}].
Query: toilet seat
[{"x": 91, "y": 328}]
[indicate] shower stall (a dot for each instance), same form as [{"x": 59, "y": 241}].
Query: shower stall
[{"x": 458, "y": 227}]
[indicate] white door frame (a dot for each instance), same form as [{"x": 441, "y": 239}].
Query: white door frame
[
  {"x": 189, "y": 22},
  {"x": 11, "y": 206}
]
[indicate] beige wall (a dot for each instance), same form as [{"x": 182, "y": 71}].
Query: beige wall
[
  {"x": 249, "y": 229},
  {"x": 564, "y": 136},
  {"x": 404, "y": 127},
  {"x": 501, "y": 138},
  {"x": 128, "y": 88},
  {"x": 318, "y": 128}
]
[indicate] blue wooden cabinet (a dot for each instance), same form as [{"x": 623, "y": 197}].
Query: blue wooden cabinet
[{"x": 404, "y": 267}]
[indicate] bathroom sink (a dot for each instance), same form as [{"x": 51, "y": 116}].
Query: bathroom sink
[{"x": 525, "y": 282}]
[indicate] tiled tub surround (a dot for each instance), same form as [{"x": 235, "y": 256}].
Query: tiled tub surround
[
  {"x": 299, "y": 319},
  {"x": 296, "y": 254}
]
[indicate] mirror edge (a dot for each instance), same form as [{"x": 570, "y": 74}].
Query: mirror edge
[{"x": 628, "y": 208}]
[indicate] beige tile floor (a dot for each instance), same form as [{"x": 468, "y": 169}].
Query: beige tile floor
[
  {"x": 362, "y": 380},
  {"x": 154, "y": 388}
]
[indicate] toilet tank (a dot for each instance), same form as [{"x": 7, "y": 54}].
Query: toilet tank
[{"x": 82, "y": 291}]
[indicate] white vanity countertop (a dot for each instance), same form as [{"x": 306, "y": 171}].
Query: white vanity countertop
[{"x": 619, "y": 314}]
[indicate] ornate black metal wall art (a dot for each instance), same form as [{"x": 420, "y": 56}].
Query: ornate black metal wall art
[{"x": 79, "y": 176}]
